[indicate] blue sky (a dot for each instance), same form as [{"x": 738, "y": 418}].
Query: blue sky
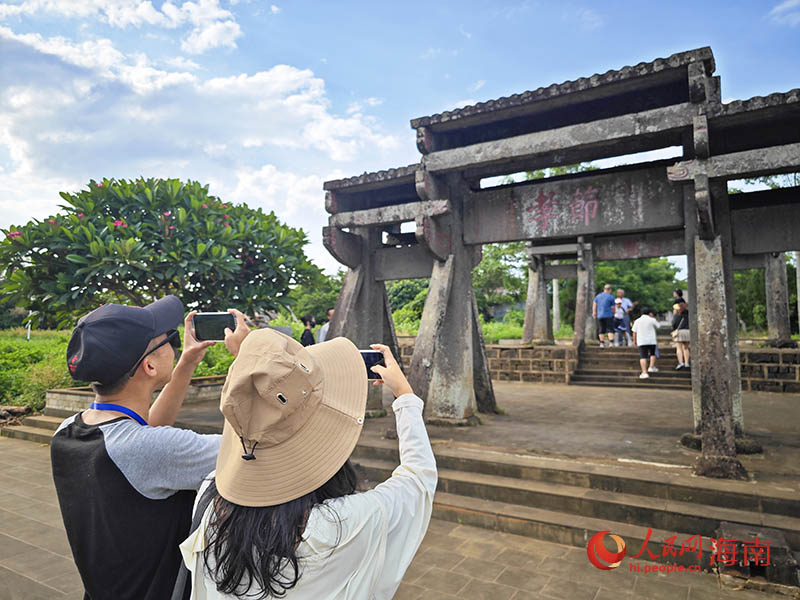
[{"x": 266, "y": 100}]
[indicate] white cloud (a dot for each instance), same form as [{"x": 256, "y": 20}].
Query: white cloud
[
  {"x": 182, "y": 63},
  {"x": 461, "y": 104},
  {"x": 587, "y": 19},
  {"x": 210, "y": 25},
  {"x": 786, "y": 13},
  {"x": 464, "y": 32},
  {"x": 274, "y": 9},
  {"x": 430, "y": 53},
  {"x": 71, "y": 111},
  {"x": 477, "y": 85}
]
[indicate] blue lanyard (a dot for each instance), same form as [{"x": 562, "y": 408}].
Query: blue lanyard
[{"x": 118, "y": 408}]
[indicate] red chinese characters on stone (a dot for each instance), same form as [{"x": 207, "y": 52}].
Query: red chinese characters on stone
[
  {"x": 584, "y": 205},
  {"x": 543, "y": 210},
  {"x": 723, "y": 552},
  {"x": 756, "y": 553}
]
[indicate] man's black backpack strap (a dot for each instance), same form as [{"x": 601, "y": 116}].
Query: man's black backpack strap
[{"x": 180, "y": 589}]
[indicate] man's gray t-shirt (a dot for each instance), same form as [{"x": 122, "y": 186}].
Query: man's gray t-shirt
[{"x": 126, "y": 493}]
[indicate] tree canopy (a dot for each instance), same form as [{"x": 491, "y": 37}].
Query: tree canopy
[{"x": 134, "y": 241}]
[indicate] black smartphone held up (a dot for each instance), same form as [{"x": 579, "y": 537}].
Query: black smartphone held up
[
  {"x": 372, "y": 358},
  {"x": 210, "y": 326}
]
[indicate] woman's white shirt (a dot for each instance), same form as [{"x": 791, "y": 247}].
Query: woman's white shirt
[{"x": 363, "y": 550}]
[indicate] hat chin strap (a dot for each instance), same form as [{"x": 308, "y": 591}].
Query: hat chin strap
[{"x": 248, "y": 455}]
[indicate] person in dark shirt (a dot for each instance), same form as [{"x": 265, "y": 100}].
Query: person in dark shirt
[
  {"x": 681, "y": 334},
  {"x": 307, "y": 339},
  {"x": 125, "y": 479}
]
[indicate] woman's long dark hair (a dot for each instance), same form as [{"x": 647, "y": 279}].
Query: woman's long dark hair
[{"x": 251, "y": 546}]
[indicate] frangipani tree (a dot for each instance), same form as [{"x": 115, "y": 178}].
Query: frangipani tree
[{"x": 134, "y": 241}]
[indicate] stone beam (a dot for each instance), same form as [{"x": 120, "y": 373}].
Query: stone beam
[
  {"x": 386, "y": 215},
  {"x": 738, "y": 165},
  {"x": 560, "y": 272},
  {"x": 344, "y": 247},
  {"x": 606, "y": 137},
  {"x": 748, "y": 261},
  {"x": 553, "y": 249},
  {"x": 646, "y": 245},
  {"x": 406, "y": 262},
  {"x": 766, "y": 228},
  {"x": 621, "y": 202}
]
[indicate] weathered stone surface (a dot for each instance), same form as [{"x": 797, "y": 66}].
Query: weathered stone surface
[
  {"x": 738, "y": 165},
  {"x": 405, "y": 262},
  {"x": 387, "y": 215},
  {"x": 538, "y": 324},
  {"x": 636, "y": 200},
  {"x": 765, "y": 221},
  {"x": 777, "y": 288},
  {"x": 713, "y": 363},
  {"x": 380, "y": 178}
]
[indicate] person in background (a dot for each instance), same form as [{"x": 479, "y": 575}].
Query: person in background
[
  {"x": 645, "y": 336},
  {"x": 627, "y": 306},
  {"x": 603, "y": 311},
  {"x": 281, "y": 515},
  {"x": 677, "y": 296},
  {"x": 680, "y": 333},
  {"x": 307, "y": 338},
  {"x": 619, "y": 322},
  {"x": 323, "y": 331}
]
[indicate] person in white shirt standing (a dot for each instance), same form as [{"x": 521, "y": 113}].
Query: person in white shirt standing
[
  {"x": 323, "y": 331},
  {"x": 645, "y": 330},
  {"x": 281, "y": 516}
]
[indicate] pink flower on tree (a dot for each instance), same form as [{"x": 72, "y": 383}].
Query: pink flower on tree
[
  {"x": 100, "y": 184},
  {"x": 51, "y": 220},
  {"x": 227, "y": 224},
  {"x": 117, "y": 223},
  {"x": 204, "y": 206},
  {"x": 167, "y": 213},
  {"x": 227, "y": 216},
  {"x": 14, "y": 234},
  {"x": 172, "y": 226},
  {"x": 80, "y": 215}
]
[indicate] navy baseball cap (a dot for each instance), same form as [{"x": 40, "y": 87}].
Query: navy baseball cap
[{"x": 108, "y": 341}]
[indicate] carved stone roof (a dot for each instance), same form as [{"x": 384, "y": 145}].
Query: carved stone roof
[
  {"x": 757, "y": 103},
  {"x": 387, "y": 176},
  {"x": 675, "y": 61}
]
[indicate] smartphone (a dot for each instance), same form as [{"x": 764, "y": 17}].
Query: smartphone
[
  {"x": 210, "y": 326},
  {"x": 372, "y": 358}
]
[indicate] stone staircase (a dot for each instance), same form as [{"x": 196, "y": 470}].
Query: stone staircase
[
  {"x": 37, "y": 428},
  {"x": 568, "y": 501},
  {"x": 619, "y": 367}
]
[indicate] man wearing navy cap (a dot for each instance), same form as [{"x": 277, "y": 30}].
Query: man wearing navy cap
[{"x": 125, "y": 479}]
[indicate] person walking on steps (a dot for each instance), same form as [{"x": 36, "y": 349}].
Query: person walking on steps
[
  {"x": 603, "y": 311},
  {"x": 645, "y": 330},
  {"x": 680, "y": 333}
]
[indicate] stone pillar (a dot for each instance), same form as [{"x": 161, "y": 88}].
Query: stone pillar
[
  {"x": 537, "y": 326},
  {"x": 362, "y": 312},
  {"x": 581, "y": 298},
  {"x": 590, "y": 324},
  {"x": 713, "y": 356},
  {"x": 690, "y": 232},
  {"x": 779, "y": 331},
  {"x": 556, "y": 305},
  {"x": 448, "y": 369},
  {"x": 797, "y": 280}
]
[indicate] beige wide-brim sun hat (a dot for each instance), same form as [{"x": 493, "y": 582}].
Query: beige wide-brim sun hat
[{"x": 293, "y": 415}]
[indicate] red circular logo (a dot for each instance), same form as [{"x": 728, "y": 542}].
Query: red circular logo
[{"x": 600, "y": 557}]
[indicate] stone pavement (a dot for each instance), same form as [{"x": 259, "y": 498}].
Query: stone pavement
[{"x": 454, "y": 561}]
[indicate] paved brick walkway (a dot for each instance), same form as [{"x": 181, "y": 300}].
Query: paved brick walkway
[{"x": 455, "y": 561}]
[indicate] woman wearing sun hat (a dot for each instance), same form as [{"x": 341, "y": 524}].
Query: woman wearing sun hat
[{"x": 283, "y": 517}]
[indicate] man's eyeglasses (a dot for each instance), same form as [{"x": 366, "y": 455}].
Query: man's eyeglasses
[{"x": 173, "y": 339}]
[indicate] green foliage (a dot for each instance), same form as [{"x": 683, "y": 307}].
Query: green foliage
[
  {"x": 28, "y": 369},
  {"x": 502, "y": 275},
  {"x": 514, "y": 317},
  {"x": 403, "y": 291},
  {"x": 648, "y": 281},
  {"x": 284, "y": 319},
  {"x": 134, "y": 241},
  {"x": 760, "y": 316},
  {"x": 557, "y": 171},
  {"x": 317, "y": 295},
  {"x": 407, "y": 317}
]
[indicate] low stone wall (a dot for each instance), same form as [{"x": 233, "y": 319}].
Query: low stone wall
[
  {"x": 538, "y": 364},
  {"x": 770, "y": 370},
  {"x": 77, "y": 399}
]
